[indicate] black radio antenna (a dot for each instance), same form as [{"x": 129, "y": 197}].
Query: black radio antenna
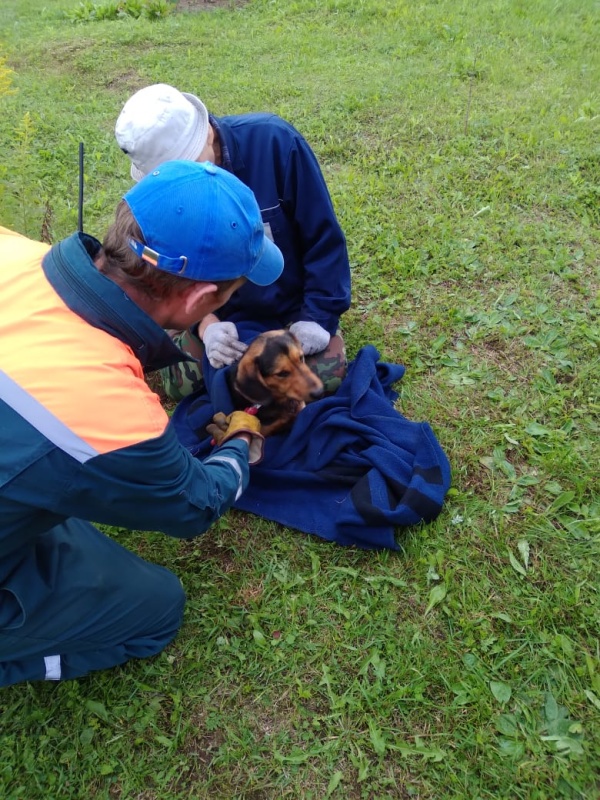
[{"x": 80, "y": 198}]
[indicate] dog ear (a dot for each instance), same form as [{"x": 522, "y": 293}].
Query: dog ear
[{"x": 251, "y": 384}]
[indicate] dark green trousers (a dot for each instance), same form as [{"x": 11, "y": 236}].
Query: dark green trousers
[{"x": 73, "y": 601}]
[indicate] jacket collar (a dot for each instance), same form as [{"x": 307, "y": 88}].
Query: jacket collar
[
  {"x": 231, "y": 159},
  {"x": 70, "y": 269}
]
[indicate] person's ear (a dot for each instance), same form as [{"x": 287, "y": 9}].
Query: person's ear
[{"x": 195, "y": 293}]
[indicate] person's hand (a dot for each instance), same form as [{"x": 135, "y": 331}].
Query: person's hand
[
  {"x": 222, "y": 344},
  {"x": 312, "y": 337},
  {"x": 238, "y": 424}
]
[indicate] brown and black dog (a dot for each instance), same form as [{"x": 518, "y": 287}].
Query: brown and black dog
[{"x": 273, "y": 376}]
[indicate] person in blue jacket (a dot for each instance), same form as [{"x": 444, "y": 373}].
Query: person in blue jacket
[
  {"x": 92, "y": 318},
  {"x": 271, "y": 157}
]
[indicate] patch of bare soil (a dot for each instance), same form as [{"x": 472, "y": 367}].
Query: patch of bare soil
[{"x": 207, "y": 5}]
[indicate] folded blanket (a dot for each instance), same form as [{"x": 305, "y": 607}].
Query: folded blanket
[{"x": 352, "y": 468}]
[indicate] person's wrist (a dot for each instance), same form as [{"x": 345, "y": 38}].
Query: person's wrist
[
  {"x": 204, "y": 323},
  {"x": 245, "y": 437}
]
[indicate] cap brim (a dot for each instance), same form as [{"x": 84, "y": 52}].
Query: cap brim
[
  {"x": 269, "y": 267},
  {"x": 200, "y": 136},
  {"x": 136, "y": 173}
]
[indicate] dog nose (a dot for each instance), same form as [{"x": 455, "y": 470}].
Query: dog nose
[{"x": 316, "y": 393}]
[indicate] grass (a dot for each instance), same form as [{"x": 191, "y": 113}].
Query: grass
[{"x": 460, "y": 144}]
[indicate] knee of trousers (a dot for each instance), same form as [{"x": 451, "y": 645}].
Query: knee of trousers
[
  {"x": 151, "y": 628},
  {"x": 147, "y": 635},
  {"x": 163, "y": 607}
]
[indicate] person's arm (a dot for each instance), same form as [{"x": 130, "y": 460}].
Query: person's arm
[
  {"x": 324, "y": 253},
  {"x": 209, "y": 319},
  {"x": 154, "y": 485}
]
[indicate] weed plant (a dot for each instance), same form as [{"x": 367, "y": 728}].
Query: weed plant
[
  {"x": 88, "y": 11},
  {"x": 460, "y": 144}
]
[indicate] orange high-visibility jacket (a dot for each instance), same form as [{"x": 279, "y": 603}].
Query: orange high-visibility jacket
[{"x": 81, "y": 434}]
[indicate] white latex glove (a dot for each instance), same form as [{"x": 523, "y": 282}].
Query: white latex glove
[
  {"x": 222, "y": 344},
  {"x": 311, "y": 336}
]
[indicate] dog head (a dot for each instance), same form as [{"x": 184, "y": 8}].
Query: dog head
[{"x": 272, "y": 370}]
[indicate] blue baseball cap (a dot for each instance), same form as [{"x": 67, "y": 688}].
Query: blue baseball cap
[{"x": 201, "y": 222}]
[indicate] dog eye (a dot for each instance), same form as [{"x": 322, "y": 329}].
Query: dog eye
[{"x": 283, "y": 374}]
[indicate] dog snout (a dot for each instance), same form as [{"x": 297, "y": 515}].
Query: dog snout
[{"x": 316, "y": 393}]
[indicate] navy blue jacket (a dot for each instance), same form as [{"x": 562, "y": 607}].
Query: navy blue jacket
[{"x": 275, "y": 161}]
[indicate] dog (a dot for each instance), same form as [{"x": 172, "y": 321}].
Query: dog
[{"x": 272, "y": 377}]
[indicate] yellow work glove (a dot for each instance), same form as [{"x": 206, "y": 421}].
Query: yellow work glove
[{"x": 223, "y": 428}]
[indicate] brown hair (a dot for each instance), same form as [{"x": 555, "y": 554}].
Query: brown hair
[{"x": 124, "y": 266}]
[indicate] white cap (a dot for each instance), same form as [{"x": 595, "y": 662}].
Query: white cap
[{"x": 160, "y": 123}]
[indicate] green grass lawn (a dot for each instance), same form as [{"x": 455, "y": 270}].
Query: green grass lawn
[{"x": 460, "y": 144}]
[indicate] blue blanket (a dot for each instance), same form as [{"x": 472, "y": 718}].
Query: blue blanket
[{"x": 352, "y": 468}]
